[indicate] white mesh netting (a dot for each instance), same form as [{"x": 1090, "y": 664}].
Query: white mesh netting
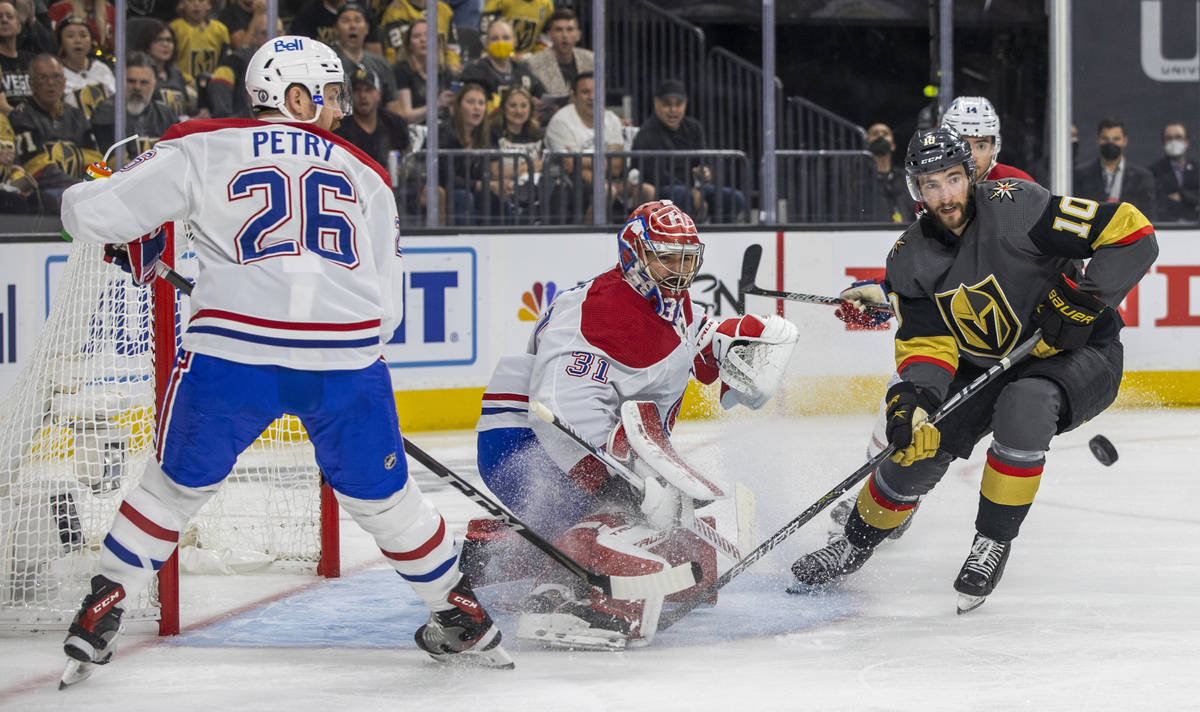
[{"x": 76, "y": 432}]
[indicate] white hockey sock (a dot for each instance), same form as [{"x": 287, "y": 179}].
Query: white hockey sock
[{"x": 412, "y": 535}]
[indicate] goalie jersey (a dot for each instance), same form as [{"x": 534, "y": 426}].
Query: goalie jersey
[
  {"x": 973, "y": 297},
  {"x": 596, "y": 346},
  {"x": 295, "y": 230}
]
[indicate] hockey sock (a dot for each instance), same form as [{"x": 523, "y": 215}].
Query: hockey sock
[
  {"x": 412, "y": 535},
  {"x": 146, "y": 528},
  {"x": 876, "y": 513},
  {"x": 1010, "y": 482}
]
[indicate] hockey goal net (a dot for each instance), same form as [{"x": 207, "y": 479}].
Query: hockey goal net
[{"x": 76, "y": 432}]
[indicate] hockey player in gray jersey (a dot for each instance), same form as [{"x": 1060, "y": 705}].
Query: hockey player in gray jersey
[{"x": 983, "y": 267}]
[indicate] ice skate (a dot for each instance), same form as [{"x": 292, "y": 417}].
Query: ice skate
[
  {"x": 91, "y": 639},
  {"x": 823, "y": 567},
  {"x": 556, "y": 618},
  {"x": 981, "y": 572},
  {"x": 463, "y": 634}
]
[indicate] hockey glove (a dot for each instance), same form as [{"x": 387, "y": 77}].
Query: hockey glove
[
  {"x": 858, "y": 302},
  {"x": 1066, "y": 318},
  {"x": 751, "y": 353},
  {"x": 907, "y": 410},
  {"x": 139, "y": 257}
]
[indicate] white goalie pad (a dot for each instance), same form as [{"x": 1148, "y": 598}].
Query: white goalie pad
[
  {"x": 644, "y": 429},
  {"x": 753, "y": 367}
]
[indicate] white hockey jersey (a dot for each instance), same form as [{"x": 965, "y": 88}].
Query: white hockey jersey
[
  {"x": 600, "y": 344},
  {"x": 296, "y": 235}
]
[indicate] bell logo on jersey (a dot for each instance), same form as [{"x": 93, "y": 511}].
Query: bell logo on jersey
[
  {"x": 980, "y": 318},
  {"x": 535, "y": 300}
]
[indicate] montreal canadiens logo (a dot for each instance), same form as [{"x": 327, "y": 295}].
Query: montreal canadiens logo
[{"x": 139, "y": 160}]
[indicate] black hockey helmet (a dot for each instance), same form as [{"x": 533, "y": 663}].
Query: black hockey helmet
[{"x": 933, "y": 150}]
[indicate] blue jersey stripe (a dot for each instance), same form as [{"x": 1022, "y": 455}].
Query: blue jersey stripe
[
  {"x": 493, "y": 411},
  {"x": 275, "y": 341},
  {"x": 432, "y": 575}
]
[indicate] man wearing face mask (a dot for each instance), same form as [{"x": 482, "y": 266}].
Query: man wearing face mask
[
  {"x": 1112, "y": 178},
  {"x": 891, "y": 202},
  {"x": 496, "y": 69},
  {"x": 1176, "y": 178}
]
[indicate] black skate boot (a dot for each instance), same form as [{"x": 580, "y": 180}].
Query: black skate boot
[
  {"x": 822, "y": 567},
  {"x": 463, "y": 634},
  {"x": 840, "y": 514},
  {"x": 981, "y": 572},
  {"x": 91, "y": 639}
]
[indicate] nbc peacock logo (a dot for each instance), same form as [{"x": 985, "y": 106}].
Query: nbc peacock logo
[{"x": 535, "y": 300}]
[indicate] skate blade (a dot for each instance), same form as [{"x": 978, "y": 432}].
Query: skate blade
[
  {"x": 76, "y": 672},
  {"x": 497, "y": 659},
  {"x": 563, "y": 631},
  {"x": 968, "y": 603}
]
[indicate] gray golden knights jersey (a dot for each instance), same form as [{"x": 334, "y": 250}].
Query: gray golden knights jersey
[{"x": 973, "y": 297}]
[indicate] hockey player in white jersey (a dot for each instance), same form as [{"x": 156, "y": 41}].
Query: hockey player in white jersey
[
  {"x": 296, "y": 235},
  {"x": 612, "y": 357}
]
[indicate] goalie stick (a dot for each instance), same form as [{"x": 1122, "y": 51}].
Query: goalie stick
[
  {"x": 697, "y": 526},
  {"x": 652, "y": 585},
  {"x": 746, "y": 285},
  {"x": 669, "y": 618}
]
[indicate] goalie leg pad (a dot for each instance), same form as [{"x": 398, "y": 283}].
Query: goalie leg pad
[
  {"x": 412, "y": 535},
  {"x": 680, "y": 546},
  {"x": 651, "y": 443}
]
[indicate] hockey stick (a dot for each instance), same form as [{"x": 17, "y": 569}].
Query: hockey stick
[
  {"x": 661, "y": 583},
  {"x": 697, "y": 526},
  {"x": 669, "y": 618},
  {"x": 750, "y": 260},
  {"x": 172, "y": 277}
]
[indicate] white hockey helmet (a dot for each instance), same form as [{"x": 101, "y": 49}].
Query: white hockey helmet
[
  {"x": 974, "y": 116},
  {"x": 284, "y": 61}
]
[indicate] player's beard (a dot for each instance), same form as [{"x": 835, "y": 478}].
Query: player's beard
[{"x": 959, "y": 218}]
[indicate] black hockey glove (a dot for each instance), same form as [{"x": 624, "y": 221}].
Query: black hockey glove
[
  {"x": 1066, "y": 317},
  {"x": 907, "y": 410}
]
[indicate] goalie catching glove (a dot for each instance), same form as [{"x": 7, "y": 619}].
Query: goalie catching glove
[
  {"x": 907, "y": 411},
  {"x": 1066, "y": 318},
  {"x": 751, "y": 353},
  {"x": 860, "y": 304}
]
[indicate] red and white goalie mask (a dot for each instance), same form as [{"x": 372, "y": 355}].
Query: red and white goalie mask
[{"x": 660, "y": 254}]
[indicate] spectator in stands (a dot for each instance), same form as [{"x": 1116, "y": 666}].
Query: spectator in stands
[
  {"x": 55, "y": 140},
  {"x": 410, "y": 78},
  {"x": 14, "y": 63},
  {"x": 236, "y": 16},
  {"x": 1111, "y": 177},
  {"x": 558, "y": 67},
  {"x": 350, "y": 31},
  {"x": 318, "y": 19},
  {"x": 145, "y": 117},
  {"x": 398, "y": 19},
  {"x": 36, "y": 37},
  {"x": 891, "y": 201},
  {"x": 175, "y": 88},
  {"x": 497, "y": 70},
  {"x": 467, "y": 14},
  {"x": 16, "y": 187},
  {"x": 570, "y": 131},
  {"x": 102, "y": 23},
  {"x": 1176, "y": 179},
  {"x": 686, "y": 182},
  {"x": 527, "y": 18},
  {"x": 976, "y": 120},
  {"x": 89, "y": 80},
  {"x": 199, "y": 44},
  {"x": 514, "y": 129},
  {"x": 227, "y": 95},
  {"x": 372, "y": 127},
  {"x": 474, "y": 191}
]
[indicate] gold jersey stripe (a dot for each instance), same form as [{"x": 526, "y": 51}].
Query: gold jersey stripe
[
  {"x": 1127, "y": 224},
  {"x": 939, "y": 349}
]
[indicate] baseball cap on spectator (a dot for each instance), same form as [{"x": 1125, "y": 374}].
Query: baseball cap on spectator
[
  {"x": 362, "y": 75},
  {"x": 671, "y": 88},
  {"x": 352, "y": 6}
]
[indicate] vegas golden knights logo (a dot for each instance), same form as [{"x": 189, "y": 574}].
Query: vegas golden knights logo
[{"x": 981, "y": 319}]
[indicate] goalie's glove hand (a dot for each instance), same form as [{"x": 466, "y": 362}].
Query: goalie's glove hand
[
  {"x": 751, "y": 353},
  {"x": 907, "y": 411},
  {"x": 1066, "y": 318},
  {"x": 139, "y": 257},
  {"x": 859, "y": 302}
]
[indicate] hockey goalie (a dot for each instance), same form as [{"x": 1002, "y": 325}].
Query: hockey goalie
[{"x": 611, "y": 358}]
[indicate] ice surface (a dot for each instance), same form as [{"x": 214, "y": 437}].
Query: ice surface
[{"x": 1098, "y": 609}]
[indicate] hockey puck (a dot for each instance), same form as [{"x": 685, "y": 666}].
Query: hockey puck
[{"x": 1103, "y": 450}]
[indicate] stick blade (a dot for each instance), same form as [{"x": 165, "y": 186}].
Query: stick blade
[
  {"x": 539, "y": 409},
  {"x": 662, "y": 583},
  {"x": 750, "y": 261}
]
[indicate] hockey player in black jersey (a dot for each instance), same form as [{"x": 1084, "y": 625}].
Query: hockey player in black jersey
[{"x": 984, "y": 266}]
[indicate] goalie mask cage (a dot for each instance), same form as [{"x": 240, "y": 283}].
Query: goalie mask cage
[{"x": 76, "y": 433}]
